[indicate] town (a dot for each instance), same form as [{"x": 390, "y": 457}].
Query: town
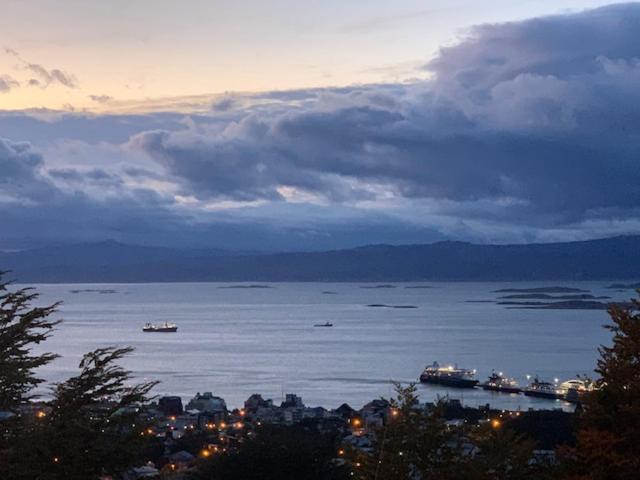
[{"x": 205, "y": 426}]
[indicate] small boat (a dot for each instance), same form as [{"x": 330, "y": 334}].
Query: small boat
[
  {"x": 325, "y": 324},
  {"x": 163, "y": 327},
  {"x": 541, "y": 389},
  {"x": 497, "y": 382},
  {"x": 449, "y": 376}
]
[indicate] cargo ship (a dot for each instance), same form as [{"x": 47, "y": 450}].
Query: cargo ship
[
  {"x": 541, "y": 389},
  {"x": 497, "y": 382},
  {"x": 163, "y": 327}
]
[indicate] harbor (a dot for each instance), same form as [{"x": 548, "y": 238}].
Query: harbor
[
  {"x": 571, "y": 390},
  {"x": 237, "y": 341}
]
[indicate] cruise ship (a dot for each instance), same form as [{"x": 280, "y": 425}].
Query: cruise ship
[
  {"x": 573, "y": 390},
  {"x": 163, "y": 327},
  {"x": 449, "y": 376},
  {"x": 497, "y": 382},
  {"x": 541, "y": 389}
]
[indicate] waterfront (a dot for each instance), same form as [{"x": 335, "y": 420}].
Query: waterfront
[{"x": 238, "y": 341}]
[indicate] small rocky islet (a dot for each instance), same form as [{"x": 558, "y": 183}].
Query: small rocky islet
[{"x": 554, "y": 297}]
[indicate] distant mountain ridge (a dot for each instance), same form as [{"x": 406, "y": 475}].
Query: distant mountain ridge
[{"x": 602, "y": 259}]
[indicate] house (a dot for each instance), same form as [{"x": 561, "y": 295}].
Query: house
[
  {"x": 292, "y": 400},
  {"x": 170, "y": 405},
  {"x": 255, "y": 401},
  {"x": 207, "y": 402}
]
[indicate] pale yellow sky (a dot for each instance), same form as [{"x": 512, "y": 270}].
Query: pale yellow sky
[{"x": 122, "y": 53}]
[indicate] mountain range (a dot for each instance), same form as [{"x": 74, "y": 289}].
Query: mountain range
[{"x": 110, "y": 261}]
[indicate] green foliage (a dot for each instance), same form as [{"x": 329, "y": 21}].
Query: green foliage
[
  {"x": 21, "y": 327},
  {"x": 417, "y": 443},
  {"x": 91, "y": 427},
  {"x": 502, "y": 455},
  {"x": 95, "y": 426},
  {"x": 608, "y": 444},
  {"x": 277, "y": 453},
  {"x": 101, "y": 381},
  {"x": 413, "y": 442}
]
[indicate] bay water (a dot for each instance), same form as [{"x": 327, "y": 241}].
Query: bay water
[{"x": 239, "y": 339}]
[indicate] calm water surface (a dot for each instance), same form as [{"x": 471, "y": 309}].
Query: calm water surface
[{"x": 239, "y": 341}]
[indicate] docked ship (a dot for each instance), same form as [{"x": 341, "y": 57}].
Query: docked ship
[
  {"x": 497, "y": 382},
  {"x": 449, "y": 376},
  {"x": 542, "y": 389},
  {"x": 163, "y": 327},
  {"x": 573, "y": 390}
]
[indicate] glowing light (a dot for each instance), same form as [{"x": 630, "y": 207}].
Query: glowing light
[
  {"x": 205, "y": 453},
  {"x": 495, "y": 423},
  {"x": 41, "y": 414},
  {"x": 56, "y": 460},
  {"x": 356, "y": 422},
  {"x": 341, "y": 452}
]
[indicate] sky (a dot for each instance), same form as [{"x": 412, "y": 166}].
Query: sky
[{"x": 305, "y": 125}]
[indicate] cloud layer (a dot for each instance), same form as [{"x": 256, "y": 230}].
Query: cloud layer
[{"x": 525, "y": 131}]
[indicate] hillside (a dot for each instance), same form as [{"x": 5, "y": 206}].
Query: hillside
[{"x": 611, "y": 258}]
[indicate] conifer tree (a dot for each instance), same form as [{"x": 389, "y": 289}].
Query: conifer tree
[
  {"x": 22, "y": 326},
  {"x": 95, "y": 427},
  {"x": 414, "y": 443},
  {"x": 417, "y": 443},
  {"x": 501, "y": 454},
  {"x": 608, "y": 445}
]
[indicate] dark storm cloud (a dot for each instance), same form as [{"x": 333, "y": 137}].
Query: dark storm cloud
[
  {"x": 560, "y": 46},
  {"x": 525, "y": 131},
  {"x": 47, "y": 127},
  {"x": 20, "y": 179},
  {"x": 542, "y": 112},
  {"x": 94, "y": 175}
]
